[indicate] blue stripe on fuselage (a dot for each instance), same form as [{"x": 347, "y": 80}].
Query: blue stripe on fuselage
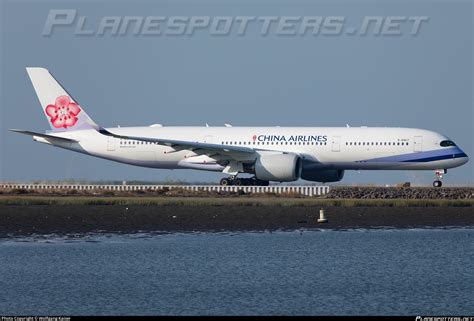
[
  {"x": 422, "y": 157},
  {"x": 436, "y": 158}
]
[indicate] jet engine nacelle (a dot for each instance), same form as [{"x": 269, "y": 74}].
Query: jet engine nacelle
[
  {"x": 280, "y": 167},
  {"x": 324, "y": 176}
]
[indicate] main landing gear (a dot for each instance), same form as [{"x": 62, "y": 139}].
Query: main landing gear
[
  {"x": 233, "y": 180},
  {"x": 438, "y": 177}
]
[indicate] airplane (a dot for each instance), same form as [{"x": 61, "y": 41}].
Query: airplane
[{"x": 279, "y": 154}]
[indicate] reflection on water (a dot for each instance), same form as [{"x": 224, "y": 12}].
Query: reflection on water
[{"x": 381, "y": 271}]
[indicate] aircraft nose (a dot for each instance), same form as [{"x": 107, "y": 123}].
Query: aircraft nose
[{"x": 464, "y": 157}]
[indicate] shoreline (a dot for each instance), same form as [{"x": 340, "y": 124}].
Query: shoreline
[{"x": 25, "y": 216}]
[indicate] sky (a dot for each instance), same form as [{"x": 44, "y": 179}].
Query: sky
[{"x": 421, "y": 81}]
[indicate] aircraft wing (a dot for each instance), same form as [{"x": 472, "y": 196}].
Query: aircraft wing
[{"x": 223, "y": 152}]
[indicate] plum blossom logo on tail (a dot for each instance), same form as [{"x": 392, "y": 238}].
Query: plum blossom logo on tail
[{"x": 63, "y": 113}]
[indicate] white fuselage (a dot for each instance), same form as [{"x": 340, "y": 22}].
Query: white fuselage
[
  {"x": 364, "y": 148},
  {"x": 271, "y": 153}
]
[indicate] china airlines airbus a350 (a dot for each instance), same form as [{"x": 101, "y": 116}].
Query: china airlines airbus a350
[{"x": 281, "y": 154}]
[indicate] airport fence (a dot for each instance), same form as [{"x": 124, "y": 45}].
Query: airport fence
[{"x": 303, "y": 190}]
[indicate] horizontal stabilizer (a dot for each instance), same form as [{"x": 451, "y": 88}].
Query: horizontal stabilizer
[{"x": 46, "y": 136}]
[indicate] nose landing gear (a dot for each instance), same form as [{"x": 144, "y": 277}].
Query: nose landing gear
[{"x": 438, "y": 177}]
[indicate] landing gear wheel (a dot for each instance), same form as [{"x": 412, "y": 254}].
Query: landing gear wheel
[
  {"x": 437, "y": 183},
  {"x": 232, "y": 180},
  {"x": 225, "y": 182}
]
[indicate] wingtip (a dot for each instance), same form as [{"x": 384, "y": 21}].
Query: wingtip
[{"x": 28, "y": 69}]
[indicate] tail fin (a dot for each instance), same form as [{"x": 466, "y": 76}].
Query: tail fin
[{"x": 61, "y": 110}]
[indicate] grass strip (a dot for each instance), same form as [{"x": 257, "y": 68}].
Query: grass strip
[{"x": 206, "y": 201}]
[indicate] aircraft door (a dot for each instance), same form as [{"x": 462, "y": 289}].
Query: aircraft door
[
  {"x": 111, "y": 144},
  {"x": 336, "y": 144},
  {"x": 418, "y": 143},
  {"x": 207, "y": 139}
]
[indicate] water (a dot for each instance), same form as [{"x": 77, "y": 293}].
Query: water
[{"x": 414, "y": 272}]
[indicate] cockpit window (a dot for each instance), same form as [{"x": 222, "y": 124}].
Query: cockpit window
[{"x": 446, "y": 143}]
